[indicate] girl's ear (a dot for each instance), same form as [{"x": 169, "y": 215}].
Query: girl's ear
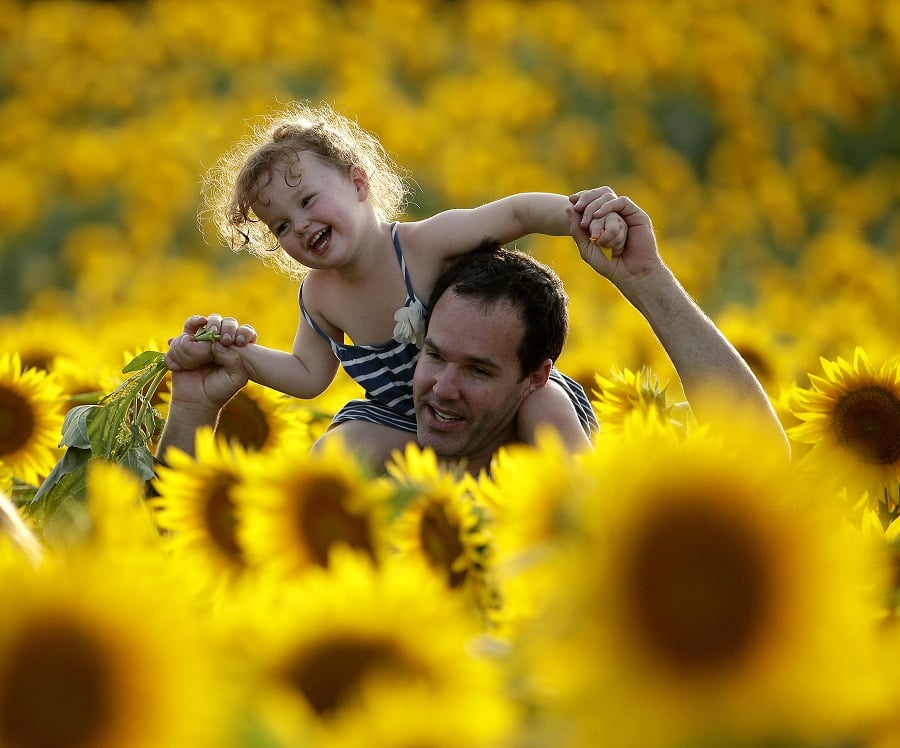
[{"x": 360, "y": 182}]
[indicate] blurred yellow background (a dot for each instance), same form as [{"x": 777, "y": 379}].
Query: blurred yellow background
[{"x": 763, "y": 138}]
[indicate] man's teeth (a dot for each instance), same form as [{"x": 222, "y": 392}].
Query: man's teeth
[{"x": 444, "y": 416}]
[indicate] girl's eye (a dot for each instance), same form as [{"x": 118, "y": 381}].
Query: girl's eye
[{"x": 280, "y": 229}]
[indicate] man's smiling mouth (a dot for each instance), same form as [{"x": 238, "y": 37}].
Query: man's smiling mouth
[{"x": 444, "y": 416}]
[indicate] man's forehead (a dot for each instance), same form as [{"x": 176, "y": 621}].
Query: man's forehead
[{"x": 469, "y": 328}]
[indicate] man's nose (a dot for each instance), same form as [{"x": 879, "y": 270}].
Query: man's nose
[{"x": 446, "y": 383}]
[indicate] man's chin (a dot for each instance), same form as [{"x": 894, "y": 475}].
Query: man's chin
[{"x": 442, "y": 444}]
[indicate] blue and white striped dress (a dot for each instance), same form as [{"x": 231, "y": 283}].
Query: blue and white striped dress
[{"x": 385, "y": 372}]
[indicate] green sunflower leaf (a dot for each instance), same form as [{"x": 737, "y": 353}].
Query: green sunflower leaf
[
  {"x": 143, "y": 361},
  {"x": 75, "y": 427},
  {"x": 66, "y": 479},
  {"x": 139, "y": 461}
]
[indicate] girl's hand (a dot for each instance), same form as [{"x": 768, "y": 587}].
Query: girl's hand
[
  {"x": 225, "y": 330},
  {"x": 607, "y": 230},
  {"x": 192, "y": 348}
]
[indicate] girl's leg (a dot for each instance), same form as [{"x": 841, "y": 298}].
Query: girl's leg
[
  {"x": 550, "y": 405},
  {"x": 371, "y": 442}
]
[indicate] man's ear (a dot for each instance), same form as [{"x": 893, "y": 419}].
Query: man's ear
[
  {"x": 360, "y": 181},
  {"x": 538, "y": 378}
]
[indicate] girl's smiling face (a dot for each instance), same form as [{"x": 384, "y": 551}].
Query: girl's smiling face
[{"x": 313, "y": 209}]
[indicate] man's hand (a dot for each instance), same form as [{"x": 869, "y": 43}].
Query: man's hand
[
  {"x": 210, "y": 386},
  {"x": 637, "y": 257}
]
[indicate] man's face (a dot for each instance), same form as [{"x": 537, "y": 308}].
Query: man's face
[{"x": 467, "y": 384}]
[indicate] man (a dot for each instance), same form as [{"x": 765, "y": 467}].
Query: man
[{"x": 487, "y": 343}]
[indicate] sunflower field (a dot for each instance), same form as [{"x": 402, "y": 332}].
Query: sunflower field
[{"x": 680, "y": 586}]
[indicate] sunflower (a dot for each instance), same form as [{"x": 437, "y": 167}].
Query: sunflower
[
  {"x": 534, "y": 493},
  {"x": 445, "y": 525},
  {"x": 294, "y": 508},
  {"x": 28, "y": 336},
  {"x": 625, "y": 391},
  {"x": 339, "y": 650},
  {"x": 260, "y": 419},
  {"x": 852, "y": 418},
  {"x": 91, "y": 656},
  {"x": 31, "y": 418},
  {"x": 119, "y": 515},
  {"x": 712, "y": 591},
  {"x": 195, "y": 507},
  {"x": 759, "y": 339},
  {"x": 81, "y": 383}
]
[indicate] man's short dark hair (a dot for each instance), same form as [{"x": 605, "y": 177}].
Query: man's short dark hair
[{"x": 492, "y": 274}]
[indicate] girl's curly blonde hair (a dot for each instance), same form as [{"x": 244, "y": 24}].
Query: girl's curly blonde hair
[{"x": 233, "y": 184}]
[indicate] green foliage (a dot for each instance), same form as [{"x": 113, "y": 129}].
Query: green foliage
[{"x": 117, "y": 429}]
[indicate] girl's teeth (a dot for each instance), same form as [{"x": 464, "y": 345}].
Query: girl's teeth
[{"x": 317, "y": 239}]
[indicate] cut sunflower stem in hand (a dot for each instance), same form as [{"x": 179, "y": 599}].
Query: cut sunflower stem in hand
[{"x": 203, "y": 334}]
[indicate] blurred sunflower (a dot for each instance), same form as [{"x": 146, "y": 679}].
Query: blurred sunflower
[
  {"x": 28, "y": 337},
  {"x": 759, "y": 338},
  {"x": 294, "y": 508},
  {"x": 261, "y": 419},
  {"x": 531, "y": 492},
  {"x": 195, "y": 508},
  {"x": 697, "y": 592},
  {"x": 344, "y": 647},
  {"x": 120, "y": 517},
  {"x": 444, "y": 525},
  {"x": 534, "y": 493},
  {"x": 625, "y": 391},
  {"x": 852, "y": 418},
  {"x": 90, "y": 656},
  {"x": 82, "y": 384},
  {"x": 31, "y": 417}
]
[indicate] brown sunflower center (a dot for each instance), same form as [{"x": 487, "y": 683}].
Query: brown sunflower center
[
  {"x": 331, "y": 675},
  {"x": 243, "y": 421},
  {"x": 867, "y": 421},
  {"x": 56, "y": 689},
  {"x": 221, "y": 520},
  {"x": 699, "y": 588},
  {"x": 325, "y": 520},
  {"x": 440, "y": 542},
  {"x": 16, "y": 422}
]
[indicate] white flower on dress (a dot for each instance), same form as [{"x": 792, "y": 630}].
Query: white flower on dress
[{"x": 410, "y": 327}]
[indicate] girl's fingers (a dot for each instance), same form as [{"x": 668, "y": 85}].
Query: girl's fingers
[
  {"x": 245, "y": 334},
  {"x": 585, "y": 201}
]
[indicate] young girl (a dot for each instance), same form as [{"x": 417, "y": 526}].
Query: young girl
[{"x": 317, "y": 196}]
